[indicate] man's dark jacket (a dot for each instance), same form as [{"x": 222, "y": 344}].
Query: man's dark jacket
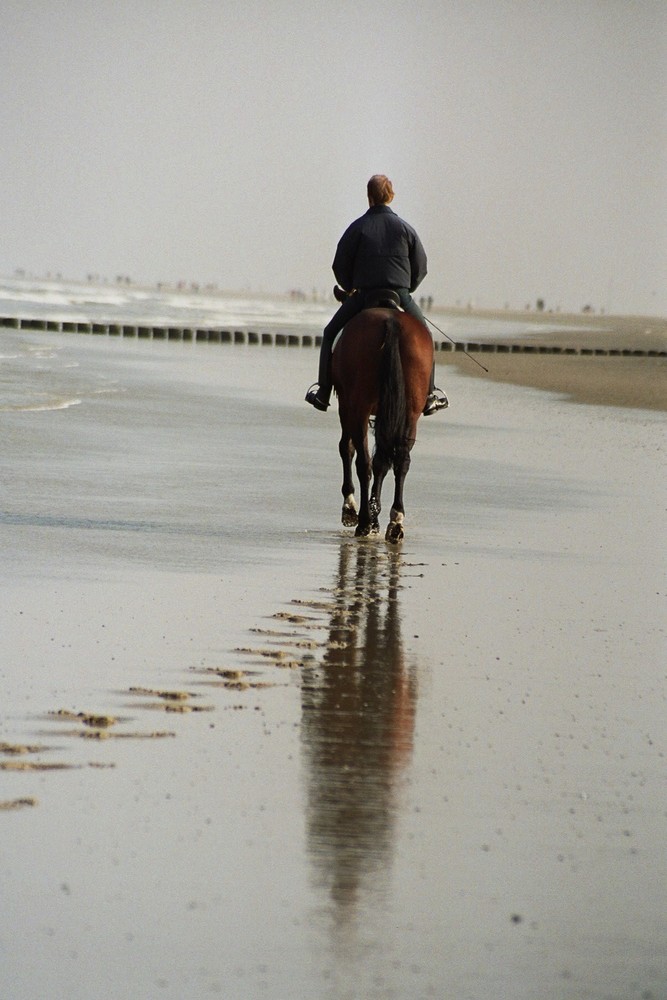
[{"x": 379, "y": 250}]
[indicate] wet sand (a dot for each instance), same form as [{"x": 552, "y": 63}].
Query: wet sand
[
  {"x": 611, "y": 381},
  {"x": 429, "y": 771}
]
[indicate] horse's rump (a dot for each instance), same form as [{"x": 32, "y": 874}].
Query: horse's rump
[{"x": 357, "y": 363}]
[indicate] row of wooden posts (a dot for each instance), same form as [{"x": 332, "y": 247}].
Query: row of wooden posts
[{"x": 217, "y": 335}]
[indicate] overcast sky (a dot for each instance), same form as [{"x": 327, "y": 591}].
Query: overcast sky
[{"x": 230, "y": 141}]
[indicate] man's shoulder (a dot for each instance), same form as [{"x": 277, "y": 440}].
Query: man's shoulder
[
  {"x": 391, "y": 218},
  {"x": 405, "y": 224},
  {"x": 354, "y": 226},
  {"x": 378, "y": 218}
]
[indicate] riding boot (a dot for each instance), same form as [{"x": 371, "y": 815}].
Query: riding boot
[
  {"x": 436, "y": 399},
  {"x": 324, "y": 374},
  {"x": 319, "y": 394}
]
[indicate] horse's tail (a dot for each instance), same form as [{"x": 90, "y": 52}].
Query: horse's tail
[{"x": 391, "y": 416}]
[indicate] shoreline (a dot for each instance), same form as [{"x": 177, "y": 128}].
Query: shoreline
[{"x": 587, "y": 358}]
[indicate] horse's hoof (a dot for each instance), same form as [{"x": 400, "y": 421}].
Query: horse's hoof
[
  {"x": 349, "y": 517},
  {"x": 350, "y": 512},
  {"x": 363, "y": 531},
  {"x": 394, "y": 532}
]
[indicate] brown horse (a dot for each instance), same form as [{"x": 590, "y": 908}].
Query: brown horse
[{"x": 381, "y": 367}]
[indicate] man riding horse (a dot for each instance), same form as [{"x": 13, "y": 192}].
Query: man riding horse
[{"x": 378, "y": 251}]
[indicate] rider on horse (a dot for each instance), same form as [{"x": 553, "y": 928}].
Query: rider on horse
[{"x": 378, "y": 251}]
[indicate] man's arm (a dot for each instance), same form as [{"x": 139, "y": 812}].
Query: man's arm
[
  {"x": 418, "y": 267},
  {"x": 343, "y": 263}
]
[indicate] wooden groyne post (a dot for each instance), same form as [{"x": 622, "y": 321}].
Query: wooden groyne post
[{"x": 220, "y": 335}]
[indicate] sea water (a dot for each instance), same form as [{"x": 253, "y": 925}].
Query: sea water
[{"x": 77, "y": 302}]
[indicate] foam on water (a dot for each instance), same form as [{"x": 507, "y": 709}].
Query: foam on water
[
  {"x": 63, "y": 404},
  {"x": 165, "y": 307},
  {"x": 89, "y": 303},
  {"x": 82, "y": 303}
]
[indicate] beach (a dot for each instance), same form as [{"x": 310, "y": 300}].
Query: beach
[
  {"x": 244, "y": 754},
  {"x": 620, "y": 380}
]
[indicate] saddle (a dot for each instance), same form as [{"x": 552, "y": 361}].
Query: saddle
[{"x": 385, "y": 298}]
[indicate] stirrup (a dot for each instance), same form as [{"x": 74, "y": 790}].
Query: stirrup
[
  {"x": 313, "y": 397},
  {"x": 435, "y": 401}
]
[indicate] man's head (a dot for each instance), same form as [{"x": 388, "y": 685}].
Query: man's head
[{"x": 379, "y": 190}]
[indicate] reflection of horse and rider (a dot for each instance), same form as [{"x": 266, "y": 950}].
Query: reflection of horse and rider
[
  {"x": 378, "y": 252},
  {"x": 358, "y": 728}
]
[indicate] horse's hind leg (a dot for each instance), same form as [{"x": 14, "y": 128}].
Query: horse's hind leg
[
  {"x": 395, "y": 530},
  {"x": 380, "y": 471},
  {"x": 349, "y": 514},
  {"x": 374, "y": 508},
  {"x": 364, "y": 475}
]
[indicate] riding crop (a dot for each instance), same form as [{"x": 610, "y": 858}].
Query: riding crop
[{"x": 458, "y": 346}]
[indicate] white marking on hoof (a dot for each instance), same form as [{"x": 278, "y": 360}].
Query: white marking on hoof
[
  {"x": 350, "y": 515},
  {"x": 394, "y": 532}
]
